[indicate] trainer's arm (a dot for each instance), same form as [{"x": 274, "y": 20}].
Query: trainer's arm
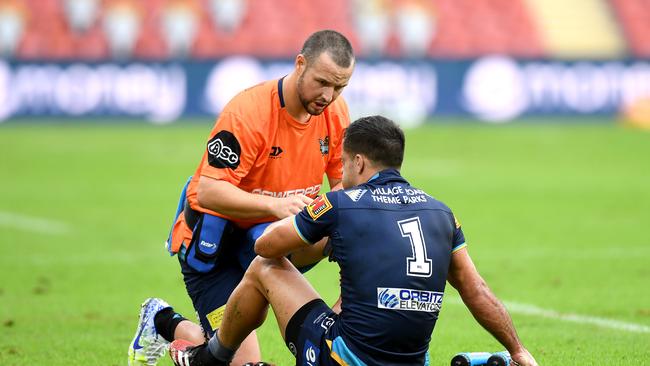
[
  {"x": 485, "y": 307},
  {"x": 335, "y": 183},
  {"x": 223, "y": 197},
  {"x": 279, "y": 239}
]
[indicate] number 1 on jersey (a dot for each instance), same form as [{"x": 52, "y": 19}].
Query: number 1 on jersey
[{"x": 418, "y": 265}]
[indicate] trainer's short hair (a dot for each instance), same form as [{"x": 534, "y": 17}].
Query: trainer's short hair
[
  {"x": 332, "y": 42},
  {"x": 378, "y": 138}
]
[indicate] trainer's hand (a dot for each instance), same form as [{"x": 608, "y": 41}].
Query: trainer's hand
[
  {"x": 523, "y": 358},
  {"x": 287, "y": 206}
]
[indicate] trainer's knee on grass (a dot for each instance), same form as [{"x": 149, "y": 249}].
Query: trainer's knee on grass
[{"x": 190, "y": 332}]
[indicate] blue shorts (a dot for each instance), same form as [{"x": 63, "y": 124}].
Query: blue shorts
[
  {"x": 312, "y": 337},
  {"x": 306, "y": 334}
]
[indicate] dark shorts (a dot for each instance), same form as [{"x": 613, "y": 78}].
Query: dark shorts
[
  {"x": 215, "y": 263},
  {"x": 314, "y": 337},
  {"x": 210, "y": 279},
  {"x": 307, "y": 334},
  {"x": 210, "y": 291}
]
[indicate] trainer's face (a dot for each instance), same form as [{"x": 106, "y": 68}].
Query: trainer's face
[{"x": 320, "y": 83}]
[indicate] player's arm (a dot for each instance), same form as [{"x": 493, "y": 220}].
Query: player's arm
[
  {"x": 224, "y": 197},
  {"x": 279, "y": 239},
  {"x": 485, "y": 307},
  {"x": 310, "y": 254},
  {"x": 309, "y": 228}
]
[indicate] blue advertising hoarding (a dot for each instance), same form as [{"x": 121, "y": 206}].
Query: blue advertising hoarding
[{"x": 493, "y": 88}]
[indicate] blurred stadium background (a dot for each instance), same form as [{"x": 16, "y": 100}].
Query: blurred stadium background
[
  {"x": 525, "y": 116},
  {"x": 495, "y": 60}
]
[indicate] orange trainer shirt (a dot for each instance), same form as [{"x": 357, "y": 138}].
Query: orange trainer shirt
[{"x": 257, "y": 146}]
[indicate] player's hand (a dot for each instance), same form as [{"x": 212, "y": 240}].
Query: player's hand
[
  {"x": 288, "y": 206},
  {"x": 523, "y": 358}
]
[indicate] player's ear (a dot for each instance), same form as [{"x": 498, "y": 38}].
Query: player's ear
[{"x": 359, "y": 163}]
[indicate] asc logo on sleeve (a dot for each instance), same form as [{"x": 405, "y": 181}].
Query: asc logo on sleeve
[
  {"x": 408, "y": 299},
  {"x": 224, "y": 150}
]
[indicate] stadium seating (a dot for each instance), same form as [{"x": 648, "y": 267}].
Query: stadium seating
[
  {"x": 470, "y": 28},
  {"x": 634, "y": 17},
  {"x": 578, "y": 28},
  {"x": 276, "y": 28}
]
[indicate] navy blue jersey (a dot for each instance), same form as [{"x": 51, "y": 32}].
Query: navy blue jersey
[{"x": 393, "y": 243}]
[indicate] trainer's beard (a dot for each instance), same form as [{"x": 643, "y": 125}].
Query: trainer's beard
[{"x": 305, "y": 103}]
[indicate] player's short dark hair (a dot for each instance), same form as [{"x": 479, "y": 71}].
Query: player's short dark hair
[
  {"x": 378, "y": 138},
  {"x": 332, "y": 42}
]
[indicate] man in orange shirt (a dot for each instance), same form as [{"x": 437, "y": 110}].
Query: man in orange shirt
[{"x": 264, "y": 160}]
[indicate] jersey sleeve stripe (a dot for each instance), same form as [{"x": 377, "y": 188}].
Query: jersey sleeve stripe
[
  {"x": 295, "y": 226},
  {"x": 458, "y": 247}
]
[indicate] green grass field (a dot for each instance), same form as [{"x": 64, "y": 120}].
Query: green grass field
[{"x": 557, "y": 218}]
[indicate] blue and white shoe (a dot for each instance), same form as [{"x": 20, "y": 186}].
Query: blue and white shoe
[{"x": 147, "y": 345}]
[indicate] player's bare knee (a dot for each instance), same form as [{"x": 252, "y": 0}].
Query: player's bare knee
[{"x": 260, "y": 266}]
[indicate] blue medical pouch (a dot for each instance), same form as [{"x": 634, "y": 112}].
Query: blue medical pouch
[{"x": 206, "y": 242}]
